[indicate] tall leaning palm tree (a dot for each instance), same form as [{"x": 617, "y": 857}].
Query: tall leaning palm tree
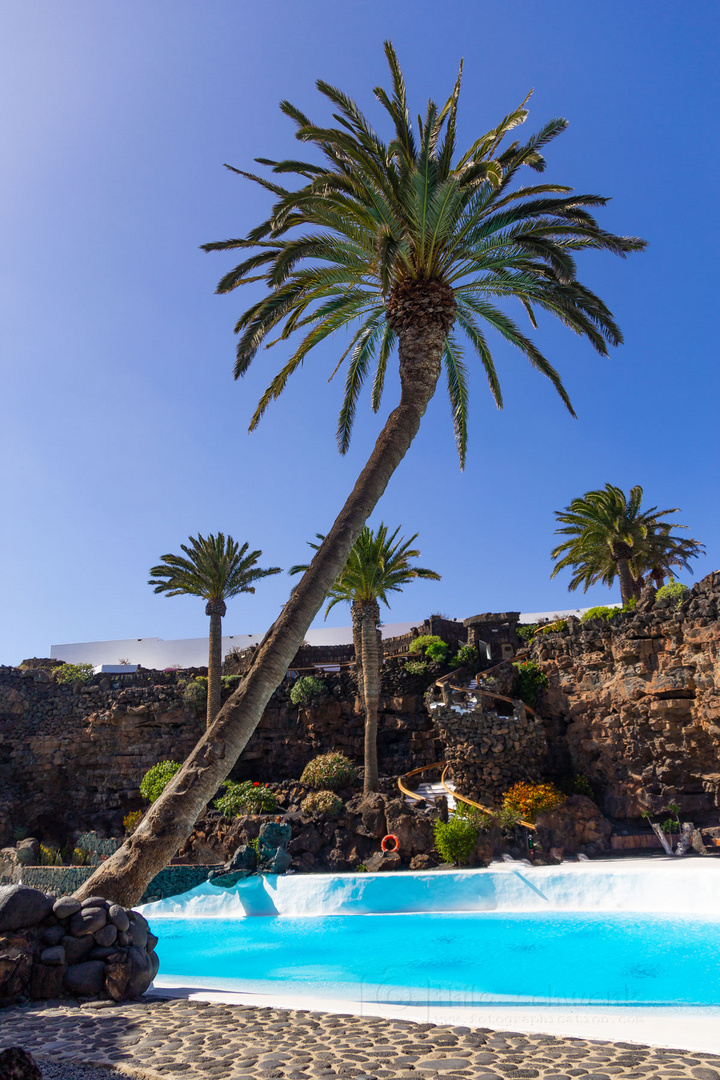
[
  {"x": 378, "y": 564},
  {"x": 214, "y": 568},
  {"x": 611, "y": 537},
  {"x": 412, "y": 246}
]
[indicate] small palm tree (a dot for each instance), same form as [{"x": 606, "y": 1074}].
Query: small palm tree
[
  {"x": 611, "y": 536},
  {"x": 378, "y": 564},
  {"x": 215, "y": 568}
]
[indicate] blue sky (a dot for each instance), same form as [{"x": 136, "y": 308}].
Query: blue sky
[{"x": 122, "y": 429}]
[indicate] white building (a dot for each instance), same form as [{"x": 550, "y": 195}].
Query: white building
[{"x": 154, "y": 652}]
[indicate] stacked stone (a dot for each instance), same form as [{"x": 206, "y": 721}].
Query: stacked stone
[
  {"x": 51, "y": 948},
  {"x": 488, "y": 753}
]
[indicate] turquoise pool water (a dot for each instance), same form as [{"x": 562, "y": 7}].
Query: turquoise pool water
[{"x": 467, "y": 958}]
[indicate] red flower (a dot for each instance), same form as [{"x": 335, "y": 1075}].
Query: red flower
[{"x": 256, "y": 783}]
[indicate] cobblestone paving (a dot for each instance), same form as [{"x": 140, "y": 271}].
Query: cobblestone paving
[{"x": 185, "y": 1040}]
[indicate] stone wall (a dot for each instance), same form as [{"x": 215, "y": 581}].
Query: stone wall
[
  {"x": 488, "y": 752},
  {"x": 72, "y": 757},
  {"x": 635, "y": 705}
]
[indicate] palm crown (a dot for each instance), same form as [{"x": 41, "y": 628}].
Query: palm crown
[
  {"x": 215, "y": 568},
  {"x": 605, "y": 527},
  {"x": 383, "y": 233},
  {"x": 378, "y": 564}
]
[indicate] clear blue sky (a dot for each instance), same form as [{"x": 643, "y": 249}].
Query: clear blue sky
[{"x": 122, "y": 430}]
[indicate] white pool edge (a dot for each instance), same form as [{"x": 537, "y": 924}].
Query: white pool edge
[{"x": 680, "y": 1027}]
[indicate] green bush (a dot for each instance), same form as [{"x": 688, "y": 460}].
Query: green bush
[
  {"x": 322, "y": 802},
  {"x": 422, "y": 643},
  {"x": 455, "y": 839},
  {"x": 606, "y": 613},
  {"x": 306, "y": 689},
  {"x": 467, "y": 656},
  {"x": 674, "y": 591},
  {"x": 508, "y": 819},
  {"x": 532, "y": 680},
  {"x": 70, "y": 673},
  {"x": 332, "y": 771},
  {"x": 156, "y": 779},
  {"x": 246, "y": 797},
  {"x": 195, "y": 694},
  {"x": 526, "y": 632},
  {"x": 415, "y": 667},
  {"x": 577, "y": 784},
  {"x": 438, "y": 652},
  {"x": 479, "y": 818}
]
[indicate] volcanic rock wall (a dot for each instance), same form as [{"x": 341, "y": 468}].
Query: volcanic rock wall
[
  {"x": 71, "y": 758},
  {"x": 635, "y": 703}
]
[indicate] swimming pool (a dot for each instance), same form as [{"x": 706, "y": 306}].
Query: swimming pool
[
  {"x": 457, "y": 958},
  {"x": 642, "y": 932}
]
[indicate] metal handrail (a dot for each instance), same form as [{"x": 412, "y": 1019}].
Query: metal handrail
[{"x": 444, "y": 765}]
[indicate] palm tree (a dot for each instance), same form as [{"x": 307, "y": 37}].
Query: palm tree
[
  {"x": 410, "y": 245},
  {"x": 378, "y": 564},
  {"x": 662, "y": 553},
  {"x": 611, "y": 536},
  {"x": 215, "y": 568}
]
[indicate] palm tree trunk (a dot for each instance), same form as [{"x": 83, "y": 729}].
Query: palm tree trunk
[
  {"x": 356, "y": 617},
  {"x": 214, "y": 690},
  {"x": 371, "y": 665},
  {"x": 124, "y": 877},
  {"x": 627, "y": 589}
]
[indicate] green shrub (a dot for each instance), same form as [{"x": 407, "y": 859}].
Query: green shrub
[
  {"x": 78, "y": 857},
  {"x": 422, "y": 643},
  {"x": 246, "y": 797},
  {"x": 322, "y": 802},
  {"x": 553, "y": 627},
  {"x": 415, "y": 667},
  {"x": 479, "y": 818},
  {"x": 508, "y": 819},
  {"x": 577, "y": 784},
  {"x": 195, "y": 694},
  {"x": 602, "y": 612},
  {"x": 156, "y": 779},
  {"x": 455, "y": 839},
  {"x": 70, "y": 673},
  {"x": 674, "y": 591},
  {"x": 332, "y": 771},
  {"x": 306, "y": 689},
  {"x": 532, "y": 680},
  {"x": 526, "y": 632},
  {"x": 467, "y": 656},
  {"x": 438, "y": 652}
]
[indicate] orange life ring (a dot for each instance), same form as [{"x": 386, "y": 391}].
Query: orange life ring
[{"x": 385, "y": 843}]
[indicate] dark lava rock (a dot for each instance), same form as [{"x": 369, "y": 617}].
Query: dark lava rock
[
  {"x": 76, "y": 949},
  {"x": 18, "y": 1064},
  {"x": 118, "y": 917},
  {"x": 86, "y": 979},
  {"x": 87, "y": 921},
  {"x": 21, "y": 907},
  {"x": 142, "y": 971},
  {"x": 54, "y": 955},
  {"x": 95, "y": 901},
  {"x": 66, "y": 906},
  {"x": 107, "y": 935}
]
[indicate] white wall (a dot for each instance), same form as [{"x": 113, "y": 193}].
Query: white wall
[{"x": 153, "y": 652}]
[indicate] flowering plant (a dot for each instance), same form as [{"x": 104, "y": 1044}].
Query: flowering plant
[
  {"x": 332, "y": 771},
  {"x": 247, "y": 797},
  {"x": 529, "y": 799}
]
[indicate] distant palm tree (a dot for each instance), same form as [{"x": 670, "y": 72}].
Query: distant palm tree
[
  {"x": 661, "y": 553},
  {"x": 611, "y": 536},
  {"x": 216, "y": 569},
  {"x": 378, "y": 564}
]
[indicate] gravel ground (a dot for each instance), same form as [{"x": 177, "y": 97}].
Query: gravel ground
[{"x": 185, "y": 1040}]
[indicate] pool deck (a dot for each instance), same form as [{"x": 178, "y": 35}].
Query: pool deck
[{"x": 182, "y": 1038}]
